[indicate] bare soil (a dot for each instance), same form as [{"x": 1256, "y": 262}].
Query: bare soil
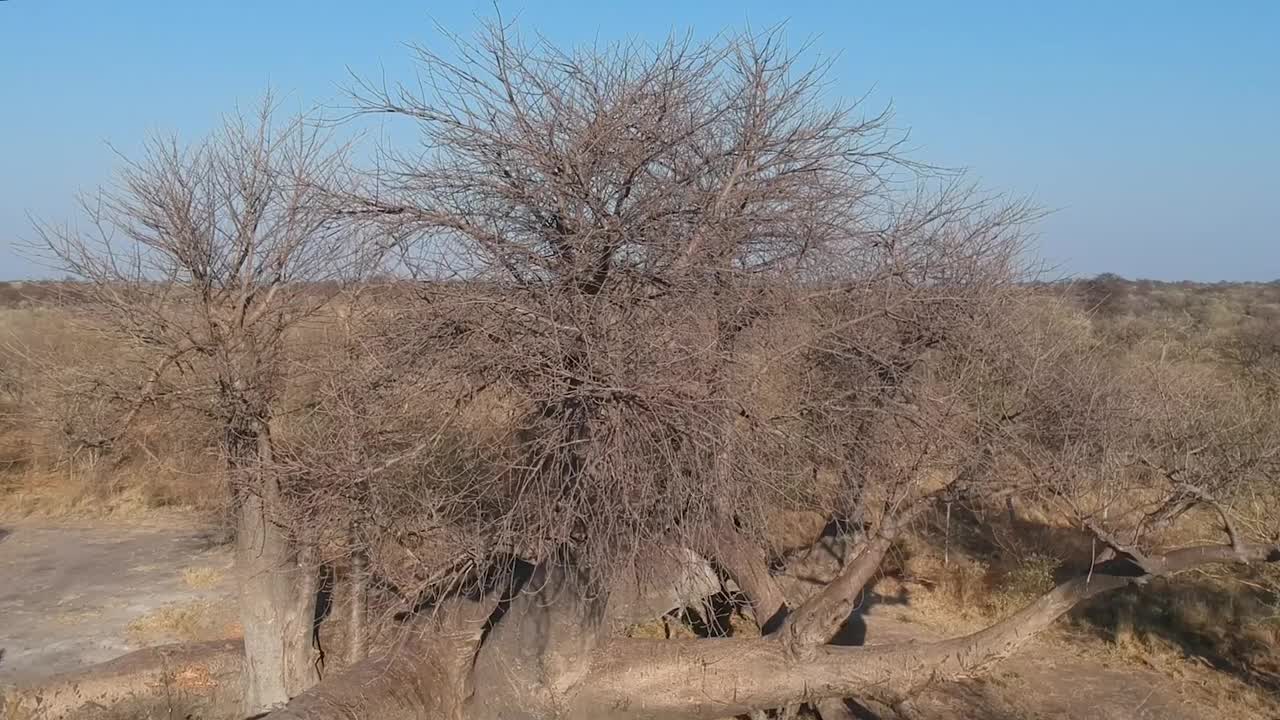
[{"x": 73, "y": 595}]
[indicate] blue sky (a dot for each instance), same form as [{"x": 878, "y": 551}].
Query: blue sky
[{"x": 1150, "y": 128}]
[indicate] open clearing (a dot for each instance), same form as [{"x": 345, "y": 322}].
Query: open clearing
[{"x": 78, "y": 594}]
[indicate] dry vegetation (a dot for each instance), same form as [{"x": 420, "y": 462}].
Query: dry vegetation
[
  {"x": 56, "y": 405},
  {"x": 1220, "y": 630},
  {"x": 659, "y": 316},
  {"x": 196, "y": 621}
]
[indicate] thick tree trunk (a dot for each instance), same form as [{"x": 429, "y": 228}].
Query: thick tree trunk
[
  {"x": 819, "y": 619},
  {"x": 428, "y": 674},
  {"x": 422, "y": 678},
  {"x": 277, "y": 597},
  {"x": 358, "y": 601},
  {"x": 546, "y": 659},
  {"x": 747, "y": 565},
  {"x": 667, "y": 578}
]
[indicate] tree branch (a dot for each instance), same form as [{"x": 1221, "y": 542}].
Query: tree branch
[
  {"x": 707, "y": 679},
  {"x": 748, "y": 567}
]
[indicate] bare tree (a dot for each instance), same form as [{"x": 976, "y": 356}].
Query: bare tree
[
  {"x": 691, "y": 292},
  {"x": 201, "y": 261},
  {"x": 662, "y": 295}
]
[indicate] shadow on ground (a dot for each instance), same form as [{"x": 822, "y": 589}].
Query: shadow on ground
[{"x": 1228, "y": 620}]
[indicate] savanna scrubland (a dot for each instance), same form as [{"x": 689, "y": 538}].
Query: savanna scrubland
[{"x": 550, "y": 413}]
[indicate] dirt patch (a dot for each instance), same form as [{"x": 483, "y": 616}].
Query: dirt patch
[{"x": 75, "y": 595}]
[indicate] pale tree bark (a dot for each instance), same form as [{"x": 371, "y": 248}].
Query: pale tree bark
[
  {"x": 747, "y": 565},
  {"x": 542, "y": 648},
  {"x": 358, "y": 603},
  {"x": 820, "y": 617},
  {"x": 815, "y": 621},
  {"x": 668, "y": 578},
  {"x": 277, "y": 594},
  {"x": 426, "y": 675}
]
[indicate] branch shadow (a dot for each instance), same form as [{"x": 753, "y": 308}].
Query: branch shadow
[
  {"x": 1231, "y": 627},
  {"x": 1227, "y": 626}
]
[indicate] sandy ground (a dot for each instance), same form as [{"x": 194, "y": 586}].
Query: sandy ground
[{"x": 68, "y": 593}]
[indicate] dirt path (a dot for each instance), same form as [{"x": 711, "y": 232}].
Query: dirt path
[{"x": 75, "y": 595}]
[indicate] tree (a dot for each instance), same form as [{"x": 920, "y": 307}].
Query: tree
[
  {"x": 202, "y": 260},
  {"x": 700, "y": 292},
  {"x": 659, "y": 296}
]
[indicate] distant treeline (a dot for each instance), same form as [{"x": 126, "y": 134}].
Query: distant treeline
[{"x": 1107, "y": 293}]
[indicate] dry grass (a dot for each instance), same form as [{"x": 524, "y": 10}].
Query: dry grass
[
  {"x": 187, "y": 622},
  {"x": 49, "y": 369},
  {"x": 1231, "y": 694},
  {"x": 203, "y": 578},
  {"x": 1217, "y": 635}
]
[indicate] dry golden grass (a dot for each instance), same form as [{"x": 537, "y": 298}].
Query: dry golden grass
[
  {"x": 185, "y": 622},
  {"x": 1216, "y": 635},
  {"x": 203, "y": 578},
  {"x": 48, "y": 368},
  {"x": 1231, "y": 695}
]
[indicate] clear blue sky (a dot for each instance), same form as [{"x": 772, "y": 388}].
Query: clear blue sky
[{"x": 1151, "y": 127}]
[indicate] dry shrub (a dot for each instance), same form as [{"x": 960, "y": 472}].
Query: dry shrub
[
  {"x": 1217, "y": 621},
  {"x": 58, "y": 420},
  {"x": 1033, "y": 576}
]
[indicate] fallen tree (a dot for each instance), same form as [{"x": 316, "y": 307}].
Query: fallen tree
[{"x": 553, "y": 657}]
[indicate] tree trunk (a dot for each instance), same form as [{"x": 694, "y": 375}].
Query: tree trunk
[
  {"x": 545, "y": 659},
  {"x": 358, "y": 587},
  {"x": 428, "y": 674},
  {"x": 277, "y": 595}
]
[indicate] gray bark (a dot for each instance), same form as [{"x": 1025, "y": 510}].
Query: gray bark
[
  {"x": 747, "y": 565},
  {"x": 668, "y": 578},
  {"x": 358, "y": 600},
  {"x": 277, "y": 598},
  {"x": 428, "y": 674},
  {"x": 819, "y": 618}
]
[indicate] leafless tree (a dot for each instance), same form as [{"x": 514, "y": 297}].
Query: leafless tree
[
  {"x": 671, "y": 291},
  {"x": 201, "y": 261},
  {"x": 660, "y": 296}
]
